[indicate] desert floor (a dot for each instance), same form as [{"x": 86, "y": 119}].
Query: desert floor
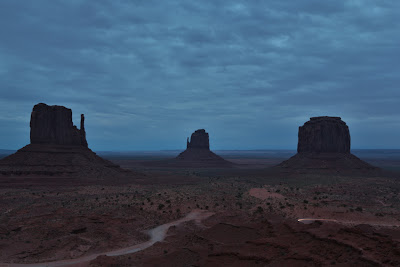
[{"x": 252, "y": 217}]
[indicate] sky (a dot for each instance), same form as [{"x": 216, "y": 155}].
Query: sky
[{"x": 147, "y": 74}]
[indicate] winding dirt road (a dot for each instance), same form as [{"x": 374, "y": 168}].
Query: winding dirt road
[{"x": 156, "y": 235}]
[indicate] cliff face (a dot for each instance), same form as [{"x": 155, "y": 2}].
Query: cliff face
[
  {"x": 53, "y": 125},
  {"x": 199, "y": 139},
  {"x": 324, "y": 135}
]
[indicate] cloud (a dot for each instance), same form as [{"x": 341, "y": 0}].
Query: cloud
[{"x": 148, "y": 73}]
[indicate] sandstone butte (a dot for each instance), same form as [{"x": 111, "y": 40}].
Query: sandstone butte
[
  {"x": 324, "y": 145},
  {"x": 198, "y": 152},
  {"x": 57, "y": 148}
]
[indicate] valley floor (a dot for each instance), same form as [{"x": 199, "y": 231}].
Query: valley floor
[{"x": 253, "y": 221}]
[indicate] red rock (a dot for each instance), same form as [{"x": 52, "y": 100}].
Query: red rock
[
  {"x": 57, "y": 149},
  {"x": 324, "y": 145},
  {"x": 198, "y": 153},
  {"x": 324, "y": 134},
  {"x": 53, "y": 125},
  {"x": 199, "y": 139}
]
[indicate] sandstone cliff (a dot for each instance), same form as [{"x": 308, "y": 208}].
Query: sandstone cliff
[
  {"x": 199, "y": 139},
  {"x": 53, "y": 125},
  {"x": 324, "y": 146},
  {"x": 324, "y": 134},
  {"x": 198, "y": 153},
  {"x": 58, "y": 149}
]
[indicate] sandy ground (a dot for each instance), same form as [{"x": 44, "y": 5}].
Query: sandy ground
[
  {"x": 255, "y": 219},
  {"x": 264, "y": 193}
]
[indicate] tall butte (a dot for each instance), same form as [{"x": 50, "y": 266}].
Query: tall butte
[
  {"x": 198, "y": 153},
  {"x": 52, "y": 125},
  {"x": 57, "y": 148},
  {"x": 324, "y": 144}
]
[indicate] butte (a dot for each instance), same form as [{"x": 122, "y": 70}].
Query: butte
[
  {"x": 196, "y": 155},
  {"x": 198, "y": 152},
  {"x": 324, "y": 146},
  {"x": 57, "y": 149}
]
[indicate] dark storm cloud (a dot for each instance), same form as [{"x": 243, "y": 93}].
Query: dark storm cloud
[{"x": 148, "y": 73}]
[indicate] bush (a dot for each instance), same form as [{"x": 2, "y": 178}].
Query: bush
[{"x": 161, "y": 206}]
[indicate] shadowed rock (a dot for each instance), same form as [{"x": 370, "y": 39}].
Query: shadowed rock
[
  {"x": 324, "y": 145},
  {"x": 199, "y": 139},
  {"x": 53, "y": 125},
  {"x": 324, "y": 134},
  {"x": 58, "y": 148},
  {"x": 198, "y": 153}
]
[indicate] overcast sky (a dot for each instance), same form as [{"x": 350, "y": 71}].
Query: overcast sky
[{"x": 146, "y": 74}]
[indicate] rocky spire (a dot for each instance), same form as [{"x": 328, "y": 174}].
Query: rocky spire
[{"x": 82, "y": 131}]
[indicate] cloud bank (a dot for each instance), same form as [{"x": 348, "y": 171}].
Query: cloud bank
[{"x": 148, "y": 73}]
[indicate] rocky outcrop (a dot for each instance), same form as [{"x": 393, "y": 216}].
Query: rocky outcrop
[
  {"x": 199, "y": 139},
  {"x": 324, "y": 146},
  {"x": 83, "y": 132},
  {"x": 53, "y": 125},
  {"x": 58, "y": 149},
  {"x": 324, "y": 135},
  {"x": 198, "y": 153}
]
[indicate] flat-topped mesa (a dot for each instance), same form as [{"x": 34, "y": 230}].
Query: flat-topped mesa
[
  {"x": 53, "y": 125},
  {"x": 199, "y": 140},
  {"x": 324, "y": 147},
  {"x": 324, "y": 135}
]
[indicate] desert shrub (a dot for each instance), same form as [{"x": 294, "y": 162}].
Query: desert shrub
[{"x": 161, "y": 206}]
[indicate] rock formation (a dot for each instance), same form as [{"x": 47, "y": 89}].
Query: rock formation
[
  {"x": 57, "y": 148},
  {"x": 53, "y": 125},
  {"x": 324, "y": 134},
  {"x": 198, "y": 153},
  {"x": 324, "y": 144},
  {"x": 199, "y": 139}
]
